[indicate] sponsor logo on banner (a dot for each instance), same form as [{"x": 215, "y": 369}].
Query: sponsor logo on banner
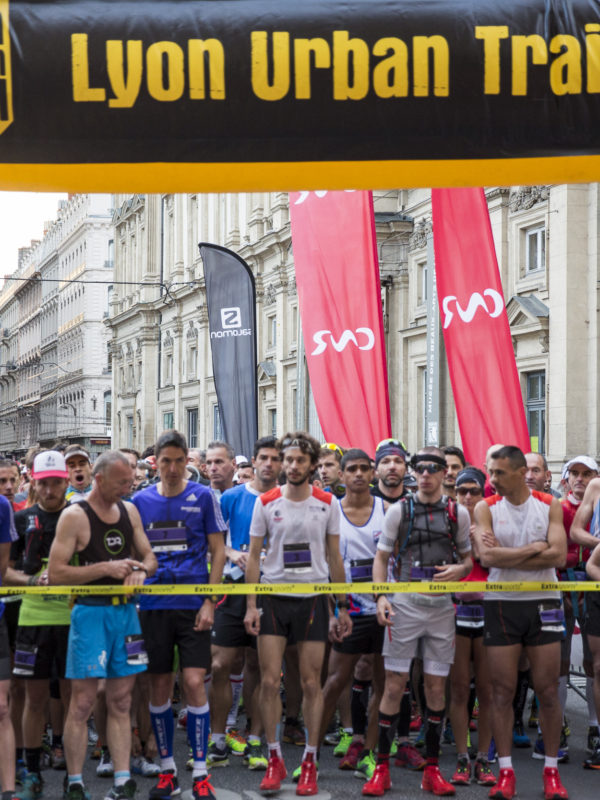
[
  {"x": 476, "y": 301},
  {"x": 366, "y": 334},
  {"x": 231, "y": 324}
]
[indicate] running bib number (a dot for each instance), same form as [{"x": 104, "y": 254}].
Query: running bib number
[
  {"x": 552, "y": 619},
  {"x": 469, "y": 616},
  {"x": 25, "y": 656},
  {"x": 297, "y": 557},
  {"x": 136, "y": 650},
  {"x": 167, "y": 537},
  {"x": 361, "y": 570}
]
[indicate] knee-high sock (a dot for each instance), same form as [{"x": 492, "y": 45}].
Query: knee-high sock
[
  {"x": 434, "y": 721},
  {"x": 164, "y": 728},
  {"x": 359, "y": 701},
  {"x": 589, "y": 696},
  {"x": 404, "y": 720},
  {"x": 198, "y": 728},
  {"x": 387, "y": 731}
]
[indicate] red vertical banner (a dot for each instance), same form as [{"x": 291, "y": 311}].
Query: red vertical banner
[
  {"x": 481, "y": 360},
  {"x": 337, "y": 275}
]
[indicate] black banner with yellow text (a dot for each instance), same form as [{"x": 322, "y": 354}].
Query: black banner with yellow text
[{"x": 239, "y": 94}]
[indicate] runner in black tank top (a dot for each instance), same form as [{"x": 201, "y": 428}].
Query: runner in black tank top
[{"x": 108, "y": 541}]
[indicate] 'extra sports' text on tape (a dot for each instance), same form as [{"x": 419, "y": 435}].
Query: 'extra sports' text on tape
[{"x": 310, "y": 588}]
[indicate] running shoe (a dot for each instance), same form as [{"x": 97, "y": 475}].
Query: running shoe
[
  {"x": 235, "y": 742},
  {"x": 433, "y": 781},
  {"x": 593, "y": 762},
  {"x": 520, "y": 738},
  {"x": 409, "y": 757},
  {"x": 20, "y": 772},
  {"x": 140, "y": 765},
  {"x": 253, "y": 756},
  {"x": 415, "y": 724},
  {"x": 294, "y": 734},
  {"x": 57, "y": 757},
  {"x": 462, "y": 773},
  {"x": 506, "y": 786},
  {"x": 33, "y": 787},
  {"x": 350, "y": 760},
  {"x": 553, "y": 788},
  {"x": 593, "y": 739},
  {"x": 75, "y": 791},
  {"x": 394, "y": 748},
  {"x": 539, "y": 752},
  {"x": 202, "y": 788},
  {"x": 276, "y": 772},
  {"x": 217, "y": 756},
  {"x": 365, "y": 767},
  {"x": 379, "y": 783},
  {"x": 483, "y": 774},
  {"x": 342, "y": 746},
  {"x": 124, "y": 792},
  {"x": 105, "y": 768},
  {"x": 92, "y": 733},
  {"x": 167, "y": 786},
  {"x": 492, "y": 753},
  {"x": 298, "y": 771},
  {"x": 307, "y": 784}
]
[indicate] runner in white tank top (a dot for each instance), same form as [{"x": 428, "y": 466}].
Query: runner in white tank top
[{"x": 520, "y": 536}]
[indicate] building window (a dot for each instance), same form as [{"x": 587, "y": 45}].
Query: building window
[
  {"x": 422, "y": 282},
  {"x": 108, "y": 409},
  {"x": 271, "y": 332},
  {"x": 535, "y": 249},
  {"x": 273, "y": 421},
  {"x": 217, "y": 426},
  {"x": 192, "y": 427},
  {"x": 109, "y": 357},
  {"x": 168, "y": 421},
  {"x": 168, "y": 369},
  {"x": 192, "y": 362},
  {"x": 129, "y": 429},
  {"x": 536, "y": 410}
]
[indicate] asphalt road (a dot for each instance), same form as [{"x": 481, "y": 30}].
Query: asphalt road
[{"x": 235, "y": 782}]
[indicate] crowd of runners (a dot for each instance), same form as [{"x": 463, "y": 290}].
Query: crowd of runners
[{"x": 359, "y": 671}]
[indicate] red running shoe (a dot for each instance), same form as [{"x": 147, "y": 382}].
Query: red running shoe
[
  {"x": 553, "y": 788},
  {"x": 506, "y": 786},
  {"x": 307, "y": 785},
  {"x": 202, "y": 788},
  {"x": 415, "y": 724},
  {"x": 409, "y": 757},
  {"x": 433, "y": 781},
  {"x": 276, "y": 772},
  {"x": 379, "y": 783},
  {"x": 350, "y": 760}
]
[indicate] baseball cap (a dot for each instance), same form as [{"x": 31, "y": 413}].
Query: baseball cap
[
  {"x": 587, "y": 461},
  {"x": 241, "y": 460},
  {"x": 49, "y": 464},
  {"x": 72, "y": 453}
]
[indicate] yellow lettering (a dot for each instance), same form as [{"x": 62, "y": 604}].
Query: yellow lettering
[
  {"x": 165, "y": 87},
  {"x": 438, "y": 46},
  {"x": 491, "y": 35},
  {"x": 303, "y": 48},
  {"x": 213, "y": 49},
  {"x": 126, "y": 90},
  {"x": 521, "y": 46},
  {"x": 345, "y": 52},
  {"x": 390, "y": 76},
  {"x": 592, "y": 51},
  {"x": 82, "y": 91},
  {"x": 565, "y": 71},
  {"x": 280, "y": 84}
]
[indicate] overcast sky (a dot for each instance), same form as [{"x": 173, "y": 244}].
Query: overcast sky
[{"x": 22, "y": 217}]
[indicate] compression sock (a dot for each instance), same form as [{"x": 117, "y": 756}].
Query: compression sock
[
  {"x": 164, "y": 728},
  {"x": 237, "y": 686},
  {"x": 358, "y": 707},
  {"x": 434, "y": 721},
  {"x": 404, "y": 718},
  {"x": 387, "y": 731},
  {"x": 198, "y": 728}
]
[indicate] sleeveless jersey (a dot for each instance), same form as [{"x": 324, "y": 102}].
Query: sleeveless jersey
[
  {"x": 237, "y": 505},
  {"x": 517, "y": 526},
  {"x": 595, "y": 522},
  {"x": 576, "y": 553},
  {"x": 109, "y": 541},
  {"x": 295, "y": 534},
  {"x": 358, "y": 545}
]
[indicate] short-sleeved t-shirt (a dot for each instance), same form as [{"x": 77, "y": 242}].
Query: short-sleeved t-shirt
[
  {"x": 177, "y": 528},
  {"x": 6, "y": 528},
  {"x": 295, "y": 534},
  {"x": 237, "y": 506}
]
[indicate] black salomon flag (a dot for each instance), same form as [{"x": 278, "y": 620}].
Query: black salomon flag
[{"x": 231, "y": 301}]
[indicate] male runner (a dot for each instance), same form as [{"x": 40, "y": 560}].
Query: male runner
[
  {"x": 361, "y": 523},
  {"x": 390, "y": 470},
  {"x": 221, "y": 466},
  {"x": 42, "y": 635},
  {"x": 520, "y": 536},
  {"x": 431, "y": 536},
  {"x": 329, "y": 468},
  {"x": 108, "y": 542},
  {"x": 183, "y": 522},
  {"x": 230, "y": 640},
  {"x": 455, "y": 461},
  {"x": 7, "y": 737},
  {"x": 300, "y": 524},
  {"x": 79, "y": 466}
]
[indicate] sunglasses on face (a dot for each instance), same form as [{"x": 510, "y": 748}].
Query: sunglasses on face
[
  {"x": 431, "y": 469},
  {"x": 475, "y": 492}
]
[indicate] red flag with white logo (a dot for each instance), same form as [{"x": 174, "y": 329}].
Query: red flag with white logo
[
  {"x": 481, "y": 360},
  {"x": 337, "y": 275}
]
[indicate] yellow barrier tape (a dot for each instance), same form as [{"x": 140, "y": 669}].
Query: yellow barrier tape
[{"x": 309, "y": 588}]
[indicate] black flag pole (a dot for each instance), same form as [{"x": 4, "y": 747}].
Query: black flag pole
[{"x": 231, "y": 302}]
